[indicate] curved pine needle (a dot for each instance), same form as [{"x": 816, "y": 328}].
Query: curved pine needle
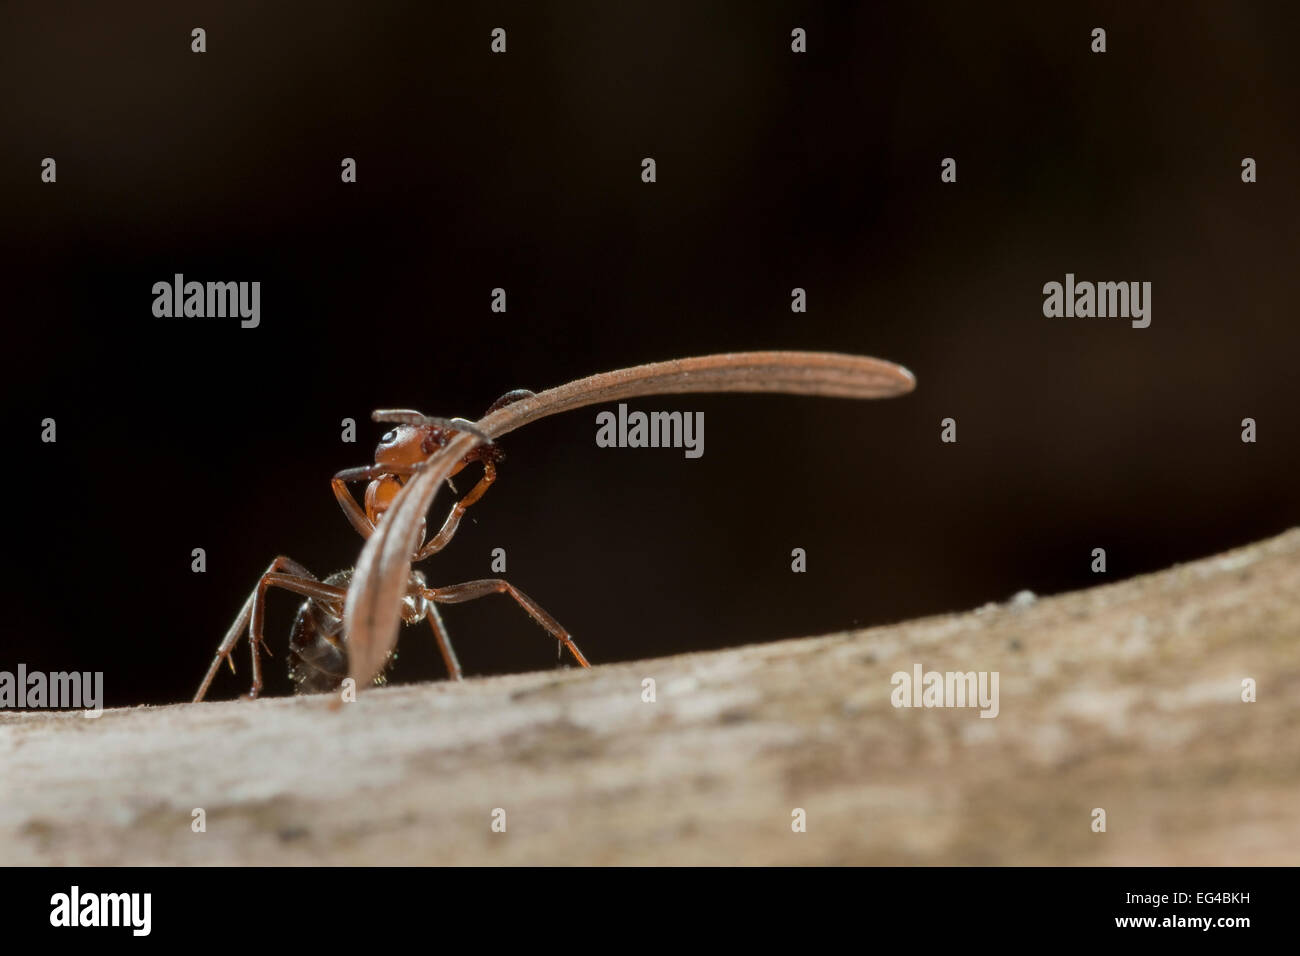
[{"x": 372, "y": 612}]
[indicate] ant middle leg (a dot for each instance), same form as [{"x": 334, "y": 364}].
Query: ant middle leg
[
  {"x": 444, "y": 643},
  {"x": 472, "y": 590}
]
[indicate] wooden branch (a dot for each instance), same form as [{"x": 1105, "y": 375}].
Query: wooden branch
[{"x": 1126, "y": 697}]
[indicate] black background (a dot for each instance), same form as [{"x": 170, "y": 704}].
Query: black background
[
  {"x": 775, "y": 170},
  {"x": 1019, "y": 904}
]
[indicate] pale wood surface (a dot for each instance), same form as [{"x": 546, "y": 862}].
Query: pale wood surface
[{"x": 1125, "y": 697}]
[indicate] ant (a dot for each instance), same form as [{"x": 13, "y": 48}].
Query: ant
[
  {"x": 348, "y": 624},
  {"x": 318, "y": 657}
]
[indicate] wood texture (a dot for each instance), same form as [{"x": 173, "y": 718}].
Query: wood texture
[{"x": 1125, "y": 697}]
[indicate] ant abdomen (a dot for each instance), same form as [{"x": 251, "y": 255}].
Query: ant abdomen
[{"x": 318, "y": 656}]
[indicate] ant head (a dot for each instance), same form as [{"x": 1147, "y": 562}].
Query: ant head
[
  {"x": 415, "y": 436},
  {"x": 410, "y": 444}
]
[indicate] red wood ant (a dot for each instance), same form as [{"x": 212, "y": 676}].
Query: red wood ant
[{"x": 348, "y": 624}]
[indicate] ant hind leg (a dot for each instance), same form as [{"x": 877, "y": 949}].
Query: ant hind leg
[{"x": 297, "y": 579}]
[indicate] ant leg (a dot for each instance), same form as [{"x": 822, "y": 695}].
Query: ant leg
[
  {"x": 444, "y": 643},
  {"x": 449, "y": 526},
  {"x": 241, "y": 622},
  {"x": 471, "y": 590},
  {"x": 356, "y": 515},
  {"x": 307, "y": 586},
  {"x": 353, "y": 511},
  {"x": 358, "y": 519},
  {"x": 300, "y": 580}
]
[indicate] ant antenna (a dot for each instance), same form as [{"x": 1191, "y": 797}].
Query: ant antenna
[{"x": 406, "y": 416}]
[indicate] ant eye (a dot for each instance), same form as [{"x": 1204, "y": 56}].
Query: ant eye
[{"x": 389, "y": 437}]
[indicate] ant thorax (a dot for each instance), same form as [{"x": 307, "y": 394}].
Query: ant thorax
[
  {"x": 415, "y": 605},
  {"x": 380, "y": 493}
]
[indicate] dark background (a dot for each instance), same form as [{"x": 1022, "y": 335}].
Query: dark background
[{"x": 522, "y": 171}]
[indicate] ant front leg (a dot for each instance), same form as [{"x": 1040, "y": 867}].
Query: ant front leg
[
  {"x": 356, "y": 515},
  {"x": 452, "y": 522},
  {"x": 299, "y": 580},
  {"x": 472, "y": 590}
]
